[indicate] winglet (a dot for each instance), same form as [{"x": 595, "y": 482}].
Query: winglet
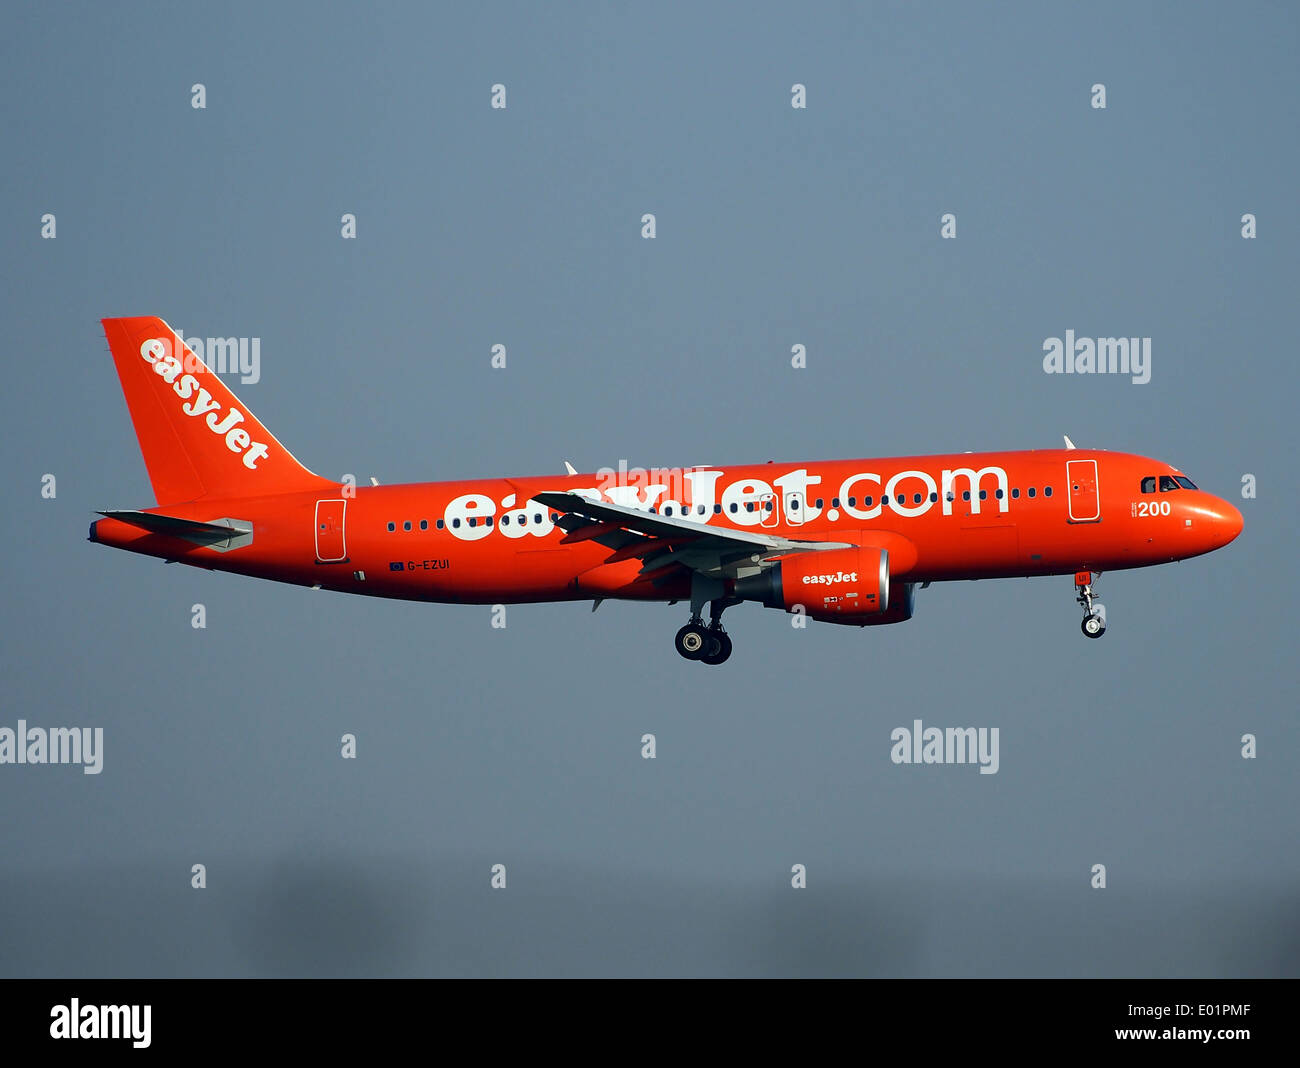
[{"x": 1068, "y": 443}]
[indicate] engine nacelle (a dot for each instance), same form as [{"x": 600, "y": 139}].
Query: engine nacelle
[{"x": 836, "y": 586}]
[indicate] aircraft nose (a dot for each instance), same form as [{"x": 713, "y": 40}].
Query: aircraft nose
[{"x": 1228, "y": 521}]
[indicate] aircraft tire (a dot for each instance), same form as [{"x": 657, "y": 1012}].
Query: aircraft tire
[
  {"x": 1093, "y": 626},
  {"x": 719, "y": 648},
  {"x": 692, "y": 641}
]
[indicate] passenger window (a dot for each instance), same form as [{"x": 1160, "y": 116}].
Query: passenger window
[
  {"x": 392, "y": 527},
  {"x": 505, "y": 520},
  {"x": 965, "y": 495},
  {"x": 440, "y": 524},
  {"x": 984, "y": 495},
  {"x": 1047, "y": 492},
  {"x": 998, "y": 494},
  {"x": 820, "y": 502},
  {"x": 1015, "y": 494},
  {"x": 933, "y": 497},
  {"x": 717, "y": 509},
  {"x": 916, "y": 498},
  {"x": 734, "y": 508},
  {"x": 867, "y": 501},
  {"x": 1149, "y": 484},
  {"x": 456, "y": 523},
  {"x": 406, "y": 525},
  {"x": 1032, "y": 491},
  {"x": 835, "y": 502},
  {"x": 424, "y": 524}
]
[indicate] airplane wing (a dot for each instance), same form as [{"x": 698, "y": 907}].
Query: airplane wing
[{"x": 665, "y": 543}]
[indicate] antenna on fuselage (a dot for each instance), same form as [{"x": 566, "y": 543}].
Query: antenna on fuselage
[
  {"x": 568, "y": 468},
  {"x": 1068, "y": 443}
]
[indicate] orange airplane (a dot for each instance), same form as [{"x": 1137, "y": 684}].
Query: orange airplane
[{"x": 841, "y": 541}]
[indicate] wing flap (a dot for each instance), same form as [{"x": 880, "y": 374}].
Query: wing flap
[{"x": 666, "y": 542}]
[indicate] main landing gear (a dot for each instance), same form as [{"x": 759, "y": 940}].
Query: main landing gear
[
  {"x": 709, "y": 644},
  {"x": 1094, "y": 615}
]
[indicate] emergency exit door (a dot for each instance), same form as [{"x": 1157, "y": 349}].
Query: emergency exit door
[
  {"x": 331, "y": 545},
  {"x": 1081, "y": 486}
]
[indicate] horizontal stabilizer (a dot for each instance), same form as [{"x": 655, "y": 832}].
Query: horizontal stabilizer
[{"x": 190, "y": 529}]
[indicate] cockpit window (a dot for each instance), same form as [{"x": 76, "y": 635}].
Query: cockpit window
[
  {"x": 1185, "y": 482},
  {"x": 1149, "y": 484},
  {"x": 1167, "y": 483}
]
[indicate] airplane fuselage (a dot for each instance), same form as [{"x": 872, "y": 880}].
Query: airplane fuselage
[
  {"x": 943, "y": 517},
  {"x": 843, "y": 541}
]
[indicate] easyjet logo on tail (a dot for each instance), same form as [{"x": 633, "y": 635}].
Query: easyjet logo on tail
[{"x": 224, "y": 424}]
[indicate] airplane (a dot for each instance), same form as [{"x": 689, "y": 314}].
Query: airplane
[{"x": 839, "y": 541}]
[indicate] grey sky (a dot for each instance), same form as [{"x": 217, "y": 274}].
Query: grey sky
[{"x": 775, "y": 227}]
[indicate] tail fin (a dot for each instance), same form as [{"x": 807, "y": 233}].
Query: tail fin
[{"x": 197, "y": 439}]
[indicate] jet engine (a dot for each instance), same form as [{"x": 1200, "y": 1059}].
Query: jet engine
[{"x": 849, "y": 586}]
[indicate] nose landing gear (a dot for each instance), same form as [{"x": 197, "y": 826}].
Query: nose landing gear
[{"x": 1094, "y": 614}]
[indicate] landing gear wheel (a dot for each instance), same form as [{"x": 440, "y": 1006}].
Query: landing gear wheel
[
  {"x": 1094, "y": 616},
  {"x": 719, "y": 647},
  {"x": 692, "y": 641}
]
